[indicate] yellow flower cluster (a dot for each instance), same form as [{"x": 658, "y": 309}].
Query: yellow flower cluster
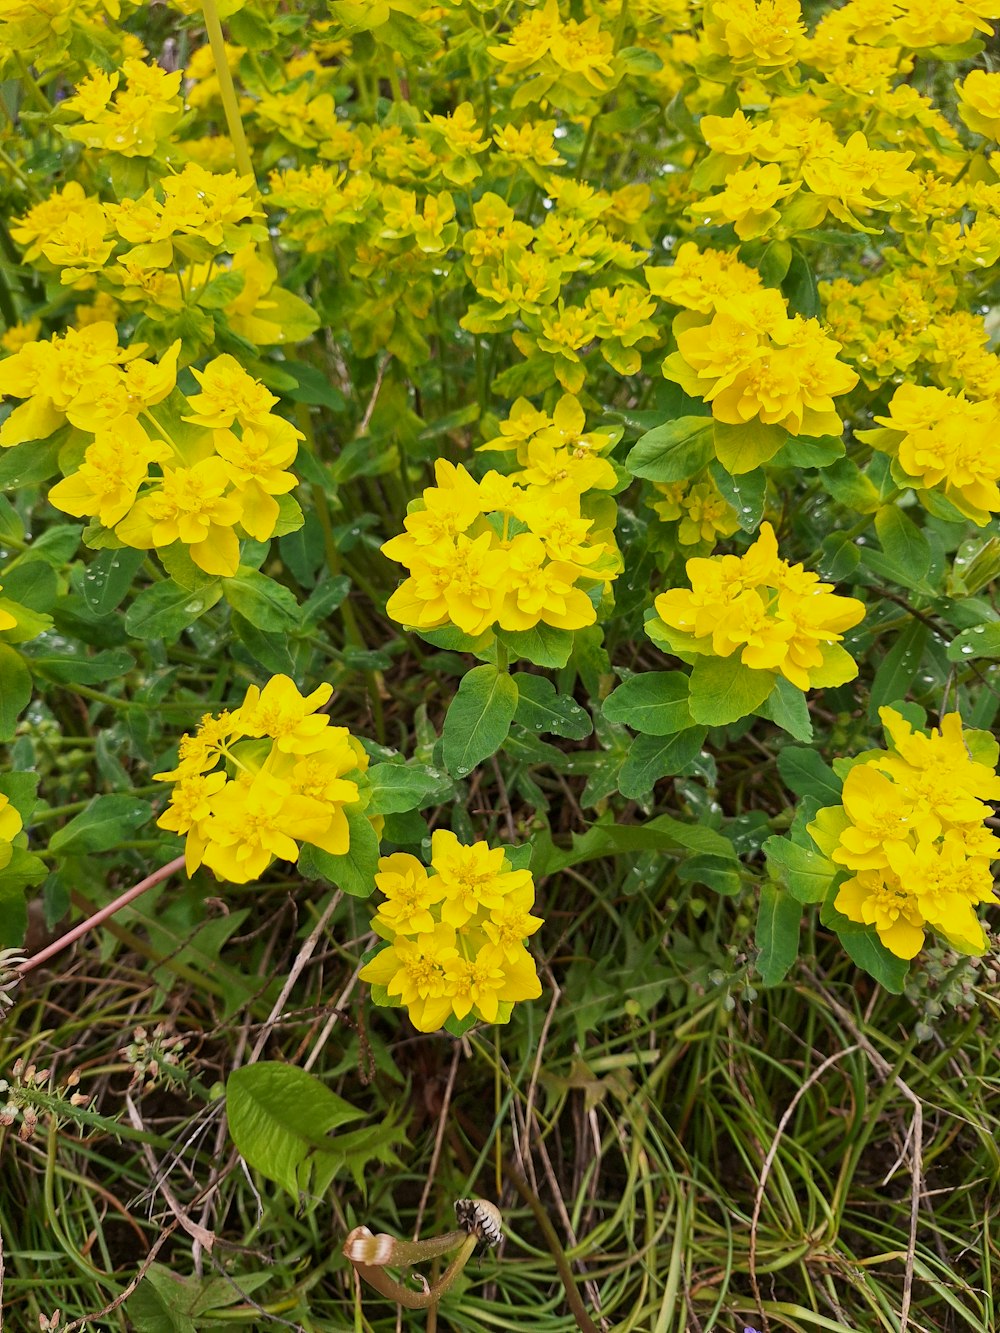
[
  {"x": 557, "y": 451},
  {"x": 285, "y": 778},
  {"x": 700, "y": 512},
  {"x": 155, "y": 484},
  {"x": 911, "y": 830},
  {"x": 570, "y": 65},
  {"x": 132, "y": 120},
  {"x": 942, "y": 441},
  {"x": 456, "y": 937},
  {"x": 753, "y": 362},
  {"x": 778, "y": 617},
  {"x": 60, "y": 34},
  {"x": 493, "y": 553}
]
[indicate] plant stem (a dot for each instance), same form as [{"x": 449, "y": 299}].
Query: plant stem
[
  {"x": 98, "y": 918},
  {"x": 234, "y": 122}
]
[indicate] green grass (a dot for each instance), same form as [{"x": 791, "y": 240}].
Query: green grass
[{"x": 628, "y": 1123}]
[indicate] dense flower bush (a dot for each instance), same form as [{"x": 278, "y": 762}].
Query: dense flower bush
[{"x": 609, "y": 323}]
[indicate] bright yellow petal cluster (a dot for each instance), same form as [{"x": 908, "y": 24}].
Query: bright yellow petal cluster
[
  {"x": 778, "y": 617},
  {"x": 252, "y": 784},
  {"x": 494, "y": 552},
  {"x": 136, "y": 477},
  {"x": 911, "y": 828},
  {"x": 700, "y": 512},
  {"x": 134, "y": 119},
  {"x": 569, "y": 64},
  {"x": 556, "y": 450},
  {"x": 753, "y": 362},
  {"x": 942, "y": 441},
  {"x": 456, "y": 933}
]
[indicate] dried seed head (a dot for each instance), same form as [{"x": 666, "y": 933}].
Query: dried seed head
[{"x": 480, "y": 1218}]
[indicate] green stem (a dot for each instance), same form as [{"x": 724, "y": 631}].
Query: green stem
[{"x": 230, "y": 105}]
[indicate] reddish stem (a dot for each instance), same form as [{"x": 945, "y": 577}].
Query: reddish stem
[{"x": 98, "y": 919}]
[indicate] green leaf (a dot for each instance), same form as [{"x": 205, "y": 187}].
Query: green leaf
[
  {"x": 264, "y": 602},
  {"x": 897, "y": 669},
  {"x": 978, "y": 641},
  {"x": 654, "y": 703},
  {"x": 13, "y": 913},
  {"x": 745, "y": 493},
  {"x": 664, "y": 833},
  {"x": 107, "y": 821},
  {"x": 166, "y": 610},
  {"x": 29, "y": 463},
  {"x": 805, "y": 873},
  {"x": 354, "y": 872},
  {"x": 743, "y": 448},
  {"x": 653, "y": 757},
  {"x": 714, "y": 872},
  {"x": 544, "y": 645},
  {"x": 280, "y": 1118},
  {"x": 77, "y": 668},
  {"x": 674, "y": 451},
  {"x": 396, "y": 788},
  {"x": 15, "y": 690},
  {"x": 868, "y": 951},
  {"x": 540, "y": 708},
  {"x": 314, "y": 387},
  {"x": 478, "y": 719},
  {"x": 904, "y": 545},
  {"x": 107, "y": 579},
  {"x": 805, "y": 773},
  {"x": 777, "y": 935},
  {"x": 724, "y": 690},
  {"x": 786, "y": 707}
]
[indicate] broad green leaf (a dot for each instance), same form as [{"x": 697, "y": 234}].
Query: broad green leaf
[
  {"x": 263, "y": 601},
  {"x": 743, "y": 448},
  {"x": 541, "y": 709},
  {"x": 979, "y": 641},
  {"x": 280, "y": 1118},
  {"x": 354, "y": 872},
  {"x": 653, "y": 757},
  {"x": 396, "y": 788},
  {"x": 654, "y": 703},
  {"x": 165, "y": 610},
  {"x": 897, "y": 669},
  {"x": 806, "y": 874},
  {"x": 544, "y": 645},
  {"x": 805, "y": 773},
  {"x": 478, "y": 719},
  {"x": 868, "y": 951},
  {"x": 29, "y": 463},
  {"x": 664, "y": 833},
  {"x": 786, "y": 707},
  {"x": 745, "y": 493},
  {"x": 15, "y": 690},
  {"x": 777, "y": 937},
  {"x": 718, "y": 873},
  {"x": 674, "y": 451},
  {"x": 107, "y": 579},
  {"x": 904, "y": 545},
  {"x": 107, "y": 821},
  {"x": 724, "y": 690},
  {"x": 79, "y": 667},
  {"x": 13, "y": 913}
]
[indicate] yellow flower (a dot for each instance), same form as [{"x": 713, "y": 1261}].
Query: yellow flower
[
  {"x": 228, "y": 394},
  {"x": 288, "y": 717},
  {"x": 10, "y": 820},
  {"x": 979, "y": 102},
  {"x": 481, "y": 983},
  {"x": 877, "y": 898},
  {"x": 192, "y": 505},
  {"x": 256, "y": 820},
  {"x": 410, "y": 894},
  {"x": 779, "y": 618},
  {"x": 414, "y": 970},
  {"x": 748, "y": 200},
  {"x": 254, "y": 462},
  {"x": 473, "y": 879},
  {"x": 114, "y": 467}
]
